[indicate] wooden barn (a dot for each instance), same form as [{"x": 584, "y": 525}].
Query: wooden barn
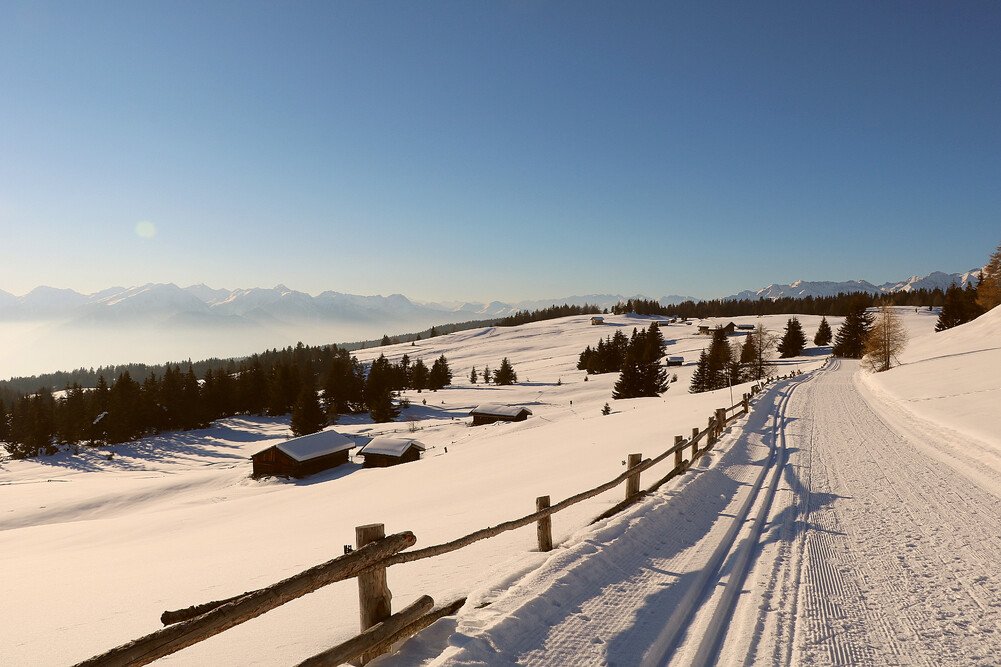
[
  {"x": 708, "y": 329},
  {"x": 383, "y": 451},
  {"x": 302, "y": 456},
  {"x": 488, "y": 413},
  {"x": 597, "y": 320}
]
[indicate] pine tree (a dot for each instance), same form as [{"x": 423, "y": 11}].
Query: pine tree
[
  {"x": 440, "y": 375},
  {"x": 850, "y": 339},
  {"x": 607, "y": 410},
  {"x": 505, "y": 375},
  {"x": 720, "y": 357},
  {"x": 700, "y": 381},
  {"x": 824, "y": 333},
  {"x": 419, "y": 376},
  {"x": 473, "y": 377},
  {"x": 954, "y": 309},
  {"x": 385, "y": 340},
  {"x": 307, "y": 413},
  {"x": 378, "y": 391},
  {"x": 793, "y": 341},
  {"x": 487, "y": 374}
]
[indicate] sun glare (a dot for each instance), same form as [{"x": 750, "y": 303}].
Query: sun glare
[{"x": 145, "y": 229}]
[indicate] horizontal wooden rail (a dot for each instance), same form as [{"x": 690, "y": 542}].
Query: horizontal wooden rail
[
  {"x": 380, "y": 637},
  {"x": 363, "y": 643},
  {"x": 482, "y": 534},
  {"x": 173, "y": 638}
]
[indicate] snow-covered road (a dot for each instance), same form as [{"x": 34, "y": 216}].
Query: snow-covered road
[{"x": 822, "y": 535}]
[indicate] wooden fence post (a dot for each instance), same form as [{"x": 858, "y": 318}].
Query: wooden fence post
[
  {"x": 720, "y": 421},
  {"x": 711, "y": 432},
  {"x": 374, "y": 597},
  {"x": 633, "y": 482},
  {"x": 678, "y": 460},
  {"x": 747, "y": 403},
  {"x": 544, "y": 527},
  {"x": 695, "y": 443}
]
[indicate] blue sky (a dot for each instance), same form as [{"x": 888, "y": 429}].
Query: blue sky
[{"x": 469, "y": 150}]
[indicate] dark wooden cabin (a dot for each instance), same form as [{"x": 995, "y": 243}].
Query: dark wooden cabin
[
  {"x": 383, "y": 451},
  {"x": 488, "y": 413},
  {"x": 303, "y": 456},
  {"x": 708, "y": 330}
]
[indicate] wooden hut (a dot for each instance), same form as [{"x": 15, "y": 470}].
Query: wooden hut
[
  {"x": 488, "y": 413},
  {"x": 597, "y": 320},
  {"x": 383, "y": 451},
  {"x": 302, "y": 456},
  {"x": 675, "y": 361}
]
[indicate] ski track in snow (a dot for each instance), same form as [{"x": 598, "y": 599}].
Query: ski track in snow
[{"x": 863, "y": 549}]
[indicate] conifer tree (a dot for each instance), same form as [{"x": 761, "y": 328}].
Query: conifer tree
[
  {"x": 763, "y": 341},
  {"x": 849, "y": 342},
  {"x": 440, "y": 375},
  {"x": 955, "y": 309},
  {"x": 487, "y": 374},
  {"x": 793, "y": 341},
  {"x": 378, "y": 391},
  {"x": 473, "y": 377},
  {"x": 824, "y": 333},
  {"x": 720, "y": 357},
  {"x": 307, "y": 413},
  {"x": 419, "y": 376},
  {"x": 700, "y": 378},
  {"x": 505, "y": 375}
]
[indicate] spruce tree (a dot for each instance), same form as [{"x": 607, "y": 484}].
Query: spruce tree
[
  {"x": 473, "y": 377},
  {"x": 307, "y": 413},
  {"x": 487, "y": 374},
  {"x": 824, "y": 333},
  {"x": 793, "y": 341},
  {"x": 849, "y": 342},
  {"x": 720, "y": 357},
  {"x": 440, "y": 375},
  {"x": 700, "y": 378},
  {"x": 419, "y": 376},
  {"x": 505, "y": 375}
]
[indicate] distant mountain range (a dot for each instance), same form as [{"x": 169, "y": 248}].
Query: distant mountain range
[
  {"x": 51, "y": 329},
  {"x": 804, "y": 288},
  {"x": 168, "y": 304}
]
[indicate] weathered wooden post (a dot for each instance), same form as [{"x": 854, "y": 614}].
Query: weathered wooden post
[
  {"x": 711, "y": 433},
  {"x": 720, "y": 421},
  {"x": 374, "y": 597},
  {"x": 678, "y": 458},
  {"x": 633, "y": 482},
  {"x": 544, "y": 527},
  {"x": 747, "y": 403},
  {"x": 695, "y": 442}
]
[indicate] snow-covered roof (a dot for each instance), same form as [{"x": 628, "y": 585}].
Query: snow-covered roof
[
  {"x": 499, "y": 410},
  {"x": 389, "y": 446},
  {"x": 310, "y": 446}
]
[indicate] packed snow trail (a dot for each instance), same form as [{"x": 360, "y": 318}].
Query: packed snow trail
[{"x": 820, "y": 536}]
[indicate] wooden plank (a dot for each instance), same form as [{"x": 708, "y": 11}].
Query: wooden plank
[
  {"x": 371, "y": 642},
  {"x": 173, "y": 638}
]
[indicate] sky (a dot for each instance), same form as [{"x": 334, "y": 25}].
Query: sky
[{"x": 502, "y": 150}]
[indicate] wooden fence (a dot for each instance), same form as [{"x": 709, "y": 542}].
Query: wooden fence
[{"x": 375, "y": 551}]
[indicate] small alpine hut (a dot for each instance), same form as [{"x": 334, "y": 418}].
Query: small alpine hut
[
  {"x": 597, "y": 320},
  {"x": 383, "y": 451},
  {"x": 488, "y": 413},
  {"x": 303, "y": 456}
]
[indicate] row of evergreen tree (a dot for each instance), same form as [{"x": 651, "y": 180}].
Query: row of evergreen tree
[{"x": 276, "y": 383}]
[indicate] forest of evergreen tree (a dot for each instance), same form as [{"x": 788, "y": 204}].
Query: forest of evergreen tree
[{"x": 276, "y": 382}]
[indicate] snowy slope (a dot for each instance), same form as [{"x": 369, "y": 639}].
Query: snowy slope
[{"x": 105, "y": 546}]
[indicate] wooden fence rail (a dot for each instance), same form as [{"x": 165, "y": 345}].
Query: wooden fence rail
[{"x": 376, "y": 552}]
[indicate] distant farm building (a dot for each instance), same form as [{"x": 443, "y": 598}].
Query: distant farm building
[
  {"x": 708, "y": 329},
  {"x": 675, "y": 361},
  {"x": 299, "y": 457},
  {"x": 488, "y": 413},
  {"x": 597, "y": 320},
  {"x": 383, "y": 451},
  {"x": 745, "y": 327}
]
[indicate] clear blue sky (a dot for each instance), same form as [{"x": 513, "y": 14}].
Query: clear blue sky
[{"x": 473, "y": 150}]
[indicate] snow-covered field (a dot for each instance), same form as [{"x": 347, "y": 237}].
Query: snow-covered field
[{"x": 93, "y": 550}]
